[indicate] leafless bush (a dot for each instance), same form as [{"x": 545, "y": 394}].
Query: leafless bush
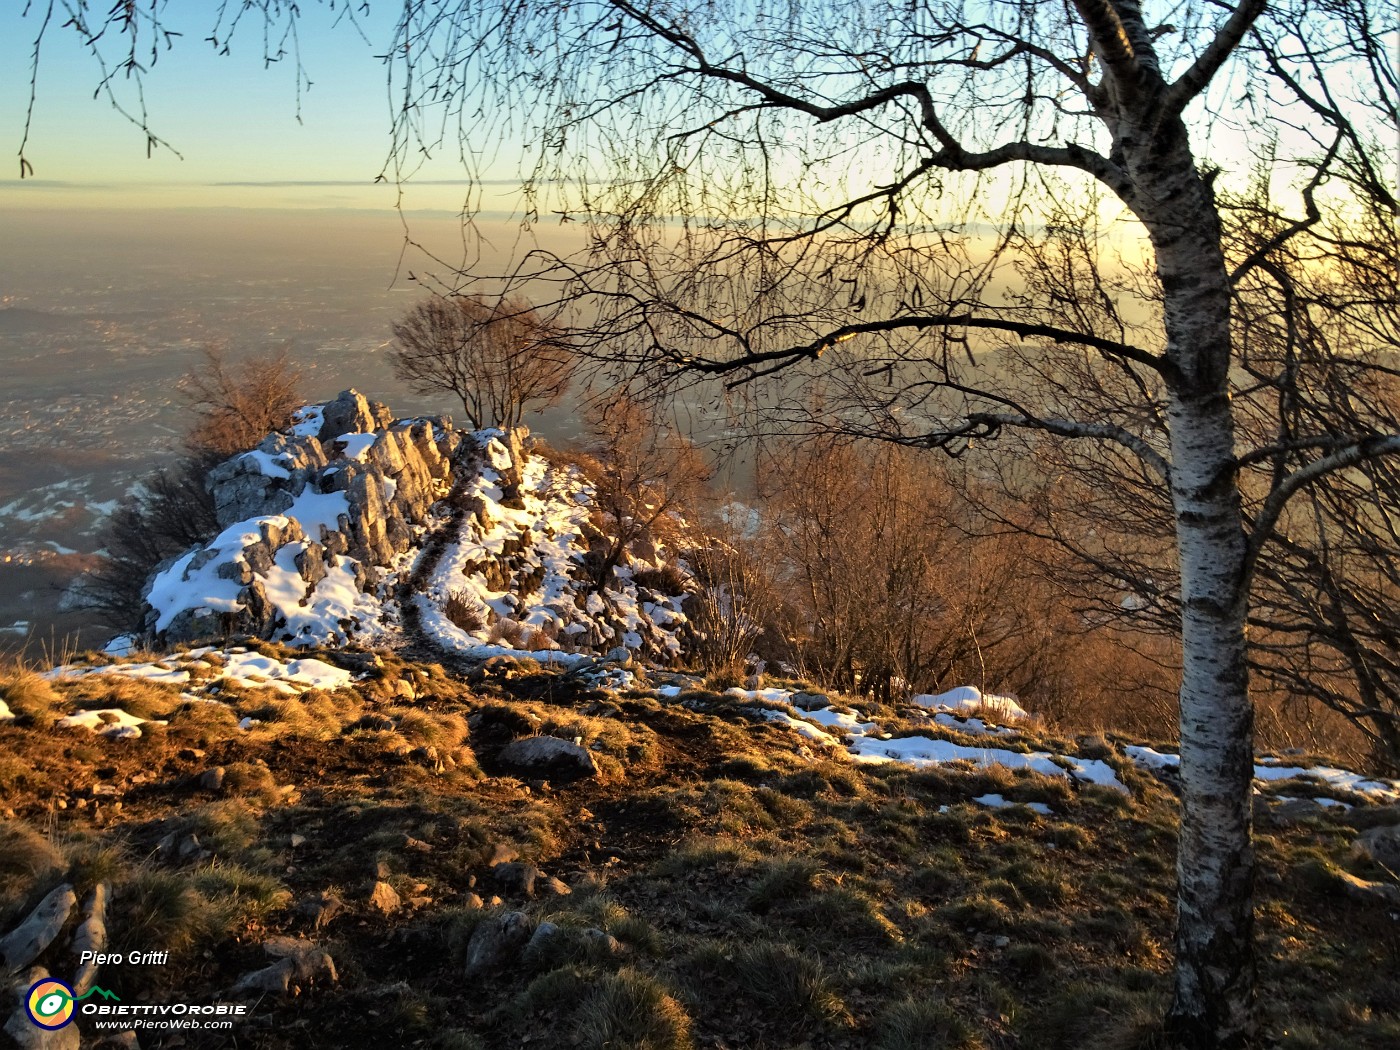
[
  {"x": 499, "y": 359},
  {"x": 463, "y": 611}
]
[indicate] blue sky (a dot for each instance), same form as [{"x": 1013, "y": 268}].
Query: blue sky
[{"x": 233, "y": 120}]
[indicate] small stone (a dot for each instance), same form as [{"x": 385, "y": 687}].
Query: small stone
[
  {"x": 496, "y": 941},
  {"x": 1001, "y": 942},
  {"x": 384, "y": 899},
  {"x": 502, "y": 853},
  {"x": 416, "y": 845},
  {"x": 212, "y": 779},
  {"x": 379, "y": 868},
  {"x": 471, "y": 900},
  {"x": 322, "y": 909},
  {"x": 518, "y": 877},
  {"x": 552, "y": 887},
  {"x": 1381, "y": 845},
  {"x": 189, "y": 754},
  {"x": 297, "y": 841}
]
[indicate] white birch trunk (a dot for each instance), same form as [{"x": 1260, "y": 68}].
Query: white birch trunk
[{"x": 1214, "y": 1002}]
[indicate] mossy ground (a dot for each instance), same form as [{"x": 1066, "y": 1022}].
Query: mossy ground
[{"x": 762, "y": 897}]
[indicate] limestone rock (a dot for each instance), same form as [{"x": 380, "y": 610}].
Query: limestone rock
[
  {"x": 1381, "y": 845},
  {"x": 517, "y": 877},
  {"x": 384, "y": 899},
  {"x": 548, "y": 756},
  {"x": 27, "y": 941},
  {"x": 496, "y": 941},
  {"x": 299, "y": 964}
]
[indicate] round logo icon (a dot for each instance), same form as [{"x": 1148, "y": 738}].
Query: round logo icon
[{"x": 50, "y": 1004}]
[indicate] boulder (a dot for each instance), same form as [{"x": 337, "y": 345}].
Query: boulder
[
  {"x": 1381, "y": 845},
  {"x": 548, "y": 757},
  {"x": 496, "y": 942}
]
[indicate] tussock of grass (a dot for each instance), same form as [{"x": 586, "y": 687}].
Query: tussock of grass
[
  {"x": 784, "y": 879},
  {"x": 629, "y": 1010},
  {"x": 923, "y": 1024},
  {"x": 27, "y": 694},
  {"x": 29, "y": 862},
  {"x": 163, "y": 911},
  {"x": 250, "y": 780}
]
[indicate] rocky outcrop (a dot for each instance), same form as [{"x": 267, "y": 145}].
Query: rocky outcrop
[
  {"x": 339, "y": 529},
  {"x": 310, "y": 519}
]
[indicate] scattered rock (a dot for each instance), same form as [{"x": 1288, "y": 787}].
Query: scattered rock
[
  {"x": 297, "y": 841},
  {"x": 1381, "y": 845},
  {"x": 471, "y": 900},
  {"x": 212, "y": 779},
  {"x": 416, "y": 845},
  {"x": 552, "y": 887},
  {"x": 403, "y": 689},
  {"x": 379, "y": 868},
  {"x": 384, "y": 898},
  {"x": 28, "y": 940},
  {"x": 561, "y": 760},
  {"x": 517, "y": 877},
  {"x": 299, "y": 964},
  {"x": 496, "y": 941},
  {"x": 322, "y": 908},
  {"x": 544, "y": 933},
  {"x": 90, "y": 936}
]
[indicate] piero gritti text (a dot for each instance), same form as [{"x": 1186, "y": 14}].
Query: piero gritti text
[{"x": 129, "y": 958}]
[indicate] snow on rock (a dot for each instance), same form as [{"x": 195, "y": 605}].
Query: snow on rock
[
  {"x": 6, "y": 715},
  {"x": 517, "y": 562},
  {"x": 110, "y": 722},
  {"x": 968, "y": 699},
  {"x": 328, "y": 526},
  {"x": 121, "y": 645},
  {"x": 313, "y": 521},
  {"x": 1000, "y": 802}
]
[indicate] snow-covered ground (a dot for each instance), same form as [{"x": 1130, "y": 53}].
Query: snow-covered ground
[{"x": 209, "y": 666}]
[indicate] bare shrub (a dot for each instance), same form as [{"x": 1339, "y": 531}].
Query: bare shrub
[
  {"x": 241, "y": 404},
  {"x": 506, "y": 631},
  {"x": 643, "y": 471},
  {"x": 463, "y": 611},
  {"x": 499, "y": 359}
]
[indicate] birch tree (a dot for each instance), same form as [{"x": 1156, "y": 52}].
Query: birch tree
[{"x": 786, "y": 192}]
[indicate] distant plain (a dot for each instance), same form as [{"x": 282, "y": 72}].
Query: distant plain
[{"x": 101, "y": 313}]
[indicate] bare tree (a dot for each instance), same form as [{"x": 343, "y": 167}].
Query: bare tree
[
  {"x": 644, "y": 472},
  {"x": 821, "y": 189},
  {"x": 499, "y": 359},
  {"x": 239, "y": 405}
]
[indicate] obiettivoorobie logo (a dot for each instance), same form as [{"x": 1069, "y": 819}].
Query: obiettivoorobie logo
[{"x": 50, "y": 1002}]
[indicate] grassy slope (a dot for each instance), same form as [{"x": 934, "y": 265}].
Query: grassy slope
[{"x": 761, "y": 898}]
